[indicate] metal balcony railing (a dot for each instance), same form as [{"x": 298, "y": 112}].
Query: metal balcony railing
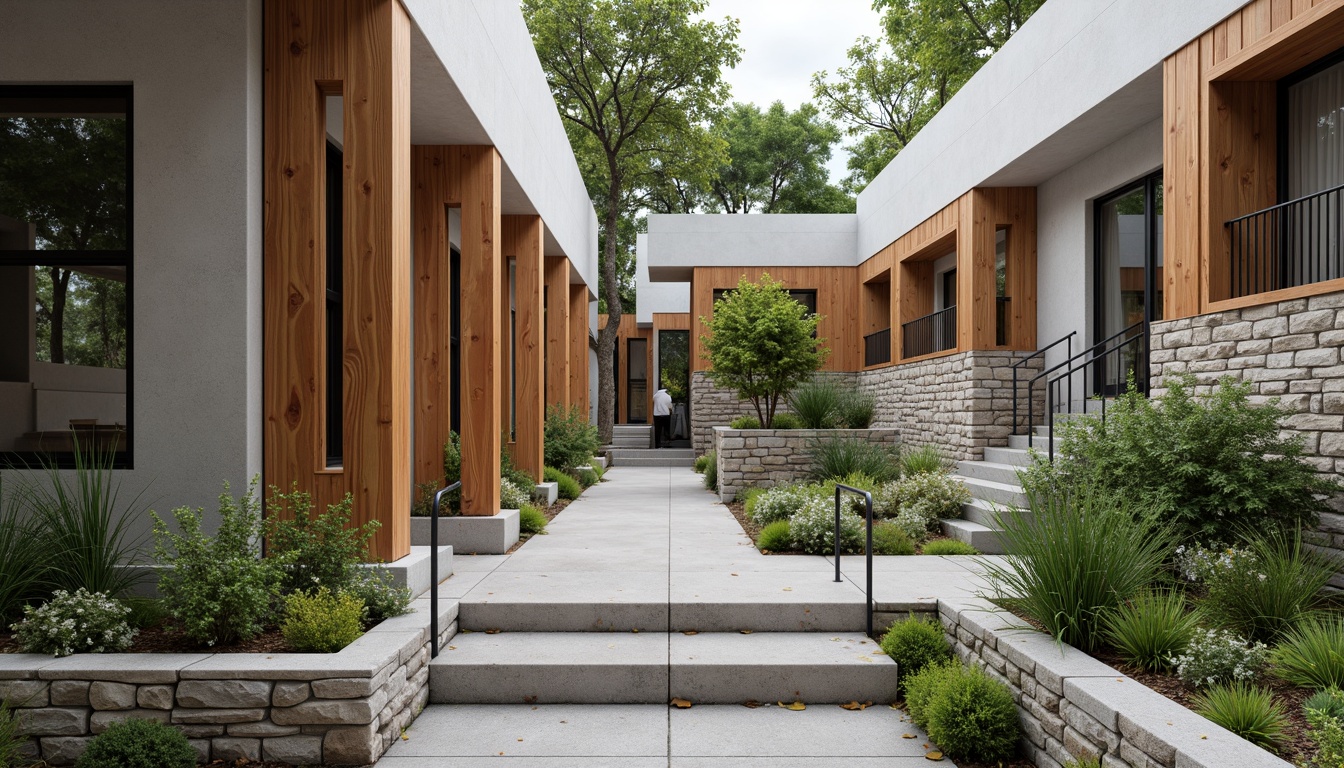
[
  {"x": 1287, "y": 245},
  {"x": 877, "y": 347},
  {"x": 934, "y": 332}
]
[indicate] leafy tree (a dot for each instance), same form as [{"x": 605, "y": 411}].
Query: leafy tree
[
  {"x": 888, "y": 92},
  {"x": 762, "y": 343},
  {"x": 634, "y": 81},
  {"x": 777, "y": 161}
]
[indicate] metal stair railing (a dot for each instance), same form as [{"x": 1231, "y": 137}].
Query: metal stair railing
[
  {"x": 1031, "y": 402},
  {"x": 434, "y": 568},
  {"x": 868, "y": 550}
]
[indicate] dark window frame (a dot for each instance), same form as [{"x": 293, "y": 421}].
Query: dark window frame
[
  {"x": 1150, "y": 184},
  {"x": 1281, "y": 114},
  {"x": 121, "y": 460},
  {"x": 335, "y": 313}
]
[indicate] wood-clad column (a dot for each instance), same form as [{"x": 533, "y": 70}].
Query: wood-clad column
[
  {"x": 557, "y": 331},
  {"x": 359, "y": 49},
  {"x": 435, "y": 188},
  {"x": 578, "y": 347},
  {"x": 480, "y": 340},
  {"x": 528, "y": 242}
]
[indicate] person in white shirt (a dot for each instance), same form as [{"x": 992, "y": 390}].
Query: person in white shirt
[{"x": 662, "y": 417}]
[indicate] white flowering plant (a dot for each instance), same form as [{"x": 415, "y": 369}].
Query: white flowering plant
[
  {"x": 1218, "y": 656},
  {"x": 813, "y": 528},
  {"x": 917, "y": 502},
  {"x": 781, "y": 503},
  {"x": 83, "y": 622},
  {"x": 1197, "y": 563},
  {"x": 511, "y": 496}
]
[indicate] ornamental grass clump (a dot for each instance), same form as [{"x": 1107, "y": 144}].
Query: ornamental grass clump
[
  {"x": 813, "y": 528},
  {"x": 888, "y": 539},
  {"x": 323, "y": 621},
  {"x": 915, "y": 644},
  {"x": 138, "y": 743},
  {"x": 1312, "y": 654},
  {"x": 531, "y": 520},
  {"x": 701, "y": 462},
  {"x": 82, "y": 622},
  {"x": 1073, "y": 559},
  {"x": 1325, "y": 721},
  {"x": 13, "y": 743},
  {"x": 26, "y": 565},
  {"x": 1246, "y": 710},
  {"x": 925, "y": 458},
  {"x": 1272, "y": 591},
  {"x": 775, "y": 537},
  {"x": 219, "y": 588},
  {"x": 1151, "y": 628},
  {"x": 745, "y": 422},
  {"x": 712, "y": 471},
  {"x": 841, "y": 456},
  {"x": 1218, "y": 656},
  {"x": 816, "y": 403},
  {"x": 949, "y": 547},
  {"x": 566, "y": 486}
]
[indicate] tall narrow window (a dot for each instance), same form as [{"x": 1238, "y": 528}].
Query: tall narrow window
[
  {"x": 1001, "y": 298},
  {"x": 1128, "y": 278},
  {"x": 65, "y": 273},
  {"x": 335, "y": 333}
]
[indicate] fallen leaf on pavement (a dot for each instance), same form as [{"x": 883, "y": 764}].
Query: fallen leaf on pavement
[
  {"x": 751, "y": 704},
  {"x": 681, "y": 704},
  {"x": 796, "y": 706},
  {"x": 907, "y": 735},
  {"x": 935, "y": 756},
  {"x": 691, "y": 632}
]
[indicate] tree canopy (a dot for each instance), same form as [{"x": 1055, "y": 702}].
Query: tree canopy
[
  {"x": 776, "y": 161},
  {"x": 892, "y": 88},
  {"x": 761, "y": 344}
]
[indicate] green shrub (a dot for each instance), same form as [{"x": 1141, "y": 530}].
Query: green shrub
[
  {"x": 851, "y": 500},
  {"x": 586, "y": 477},
  {"x": 922, "y": 686},
  {"x": 511, "y": 496},
  {"x": 923, "y": 459},
  {"x": 813, "y": 528},
  {"x": 841, "y": 456},
  {"x": 1208, "y": 465},
  {"x": 816, "y": 403},
  {"x": 949, "y": 547},
  {"x": 1245, "y": 710},
  {"x": 972, "y": 716},
  {"x": 597, "y": 469},
  {"x": 25, "y": 565},
  {"x": 1329, "y": 702},
  {"x": 856, "y": 409},
  {"x": 85, "y": 523},
  {"x": 712, "y": 471},
  {"x": 136, "y": 743},
  {"x": 701, "y": 463},
  {"x": 915, "y": 644},
  {"x": 567, "y": 487},
  {"x": 83, "y": 622},
  {"x": 1074, "y": 559},
  {"x": 13, "y": 744},
  {"x": 779, "y": 503},
  {"x": 891, "y": 540},
  {"x": 1272, "y": 593},
  {"x": 144, "y": 612},
  {"x": 924, "y": 499},
  {"x": 1217, "y": 656},
  {"x": 1327, "y": 730},
  {"x": 323, "y": 621},
  {"x": 570, "y": 441},
  {"x": 786, "y": 420},
  {"x": 509, "y": 471},
  {"x": 221, "y": 590},
  {"x": 745, "y": 422},
  {"x": 1151, "y": 628},
  {"x": 1312, "y": 654},
  {"x": 315, "y": 550},
  {"x": 748, "y": 497},
  {"x": 775, "y": 537},
  {"x": 531, "y": 520},
  {"x": 375, "y": 587}
]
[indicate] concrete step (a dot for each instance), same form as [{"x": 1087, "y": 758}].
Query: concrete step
[
  {"x": 1042, "y": 445},
  {"x": 650, "y": 668},
  {"x": 989, "y": 470},
  {"x": 980, "y": 512},
  {"x": 618, "y": 443},
  {"x": 661, "y": 453},
  {"x": 982, "y": 537},
  {"x": 634, "y": 611},
  {"x": 1017, "y": 457},
  {"x": 821, "y": 667},
  {"x": 655, "y": 462},
  {"x": 996, "y": 492}
]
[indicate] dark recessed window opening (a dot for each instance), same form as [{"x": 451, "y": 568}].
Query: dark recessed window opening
[
  {"x": 65, "y": 273},
  {"x": 334, "y": 314}
]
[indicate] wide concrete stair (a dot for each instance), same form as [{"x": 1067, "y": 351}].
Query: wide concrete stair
[
  {"x": 632, "y": 436},
  {"x": 651, "y": 457},
  {"x": 994, "y": 486}
]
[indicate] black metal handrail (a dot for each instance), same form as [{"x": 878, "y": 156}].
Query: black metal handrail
[
  {"x": 1020, "y": 363},
  {"x": 934, "y": 332},
  {"x": 1287, "y": 245},
  {"x": 877, "y": 347},
  {"x": 1085, "y": 355},
  {"x": 434, "y": 568},
  {"x": 868, "y": 550},
  {"x": 1136, "y": 344}
]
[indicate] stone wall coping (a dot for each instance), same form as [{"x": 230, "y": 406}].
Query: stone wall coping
[
  {"x": 392, "y": 642},
  {"x": 730, "y": 432},
  {"x": 1124, "y": 706}
]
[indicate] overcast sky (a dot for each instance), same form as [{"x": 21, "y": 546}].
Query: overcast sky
[{"x": 785, "y": 41}]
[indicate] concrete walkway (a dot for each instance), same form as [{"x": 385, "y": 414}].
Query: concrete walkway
[{"x": 645, "y": 589}]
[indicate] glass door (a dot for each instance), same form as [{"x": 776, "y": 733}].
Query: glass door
[
  {"x": 637, "y": 381},
  {"x": 674, "y": 375},
  {"x": 1128, "y": 283}
]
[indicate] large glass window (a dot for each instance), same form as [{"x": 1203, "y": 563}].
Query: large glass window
[
  {"x": 1314, "y": 130},
  {"x": 65, "y": 272},
  {"x": 1128, "y": 277}
]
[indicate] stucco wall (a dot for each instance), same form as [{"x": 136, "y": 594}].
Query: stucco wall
[{"x": 196, "y": 73}]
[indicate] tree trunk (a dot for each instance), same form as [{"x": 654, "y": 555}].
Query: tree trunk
[{"x": 607, "y": 336}]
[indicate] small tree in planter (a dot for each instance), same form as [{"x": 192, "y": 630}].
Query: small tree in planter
[{"x": 762, "y": 343}]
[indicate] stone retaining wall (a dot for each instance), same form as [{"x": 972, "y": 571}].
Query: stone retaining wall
[
  {"x": 958, "y": 403},
  {"x": 344, "y": 708},
  {"x": 1073, "y": 706},
  {"x": 713, "y": 406},
  {"x": 764, "y": 458},
  {"x": 1289, "y": 350}
]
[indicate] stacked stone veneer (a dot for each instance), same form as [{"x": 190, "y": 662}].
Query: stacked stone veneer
[
  {"x": 958, "y": 403},
  {"x": 1289, "y": 350},
  {"x": 1073, "y": 706},
  {"x": 764, "y": 458},
  {"x": 713, "y": 406},
  {"x": 344, "y": 708}
]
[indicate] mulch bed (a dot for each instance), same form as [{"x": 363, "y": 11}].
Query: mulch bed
[
  {"x": 167, "y": 637},
  {"x": 550, "y": 513}
]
